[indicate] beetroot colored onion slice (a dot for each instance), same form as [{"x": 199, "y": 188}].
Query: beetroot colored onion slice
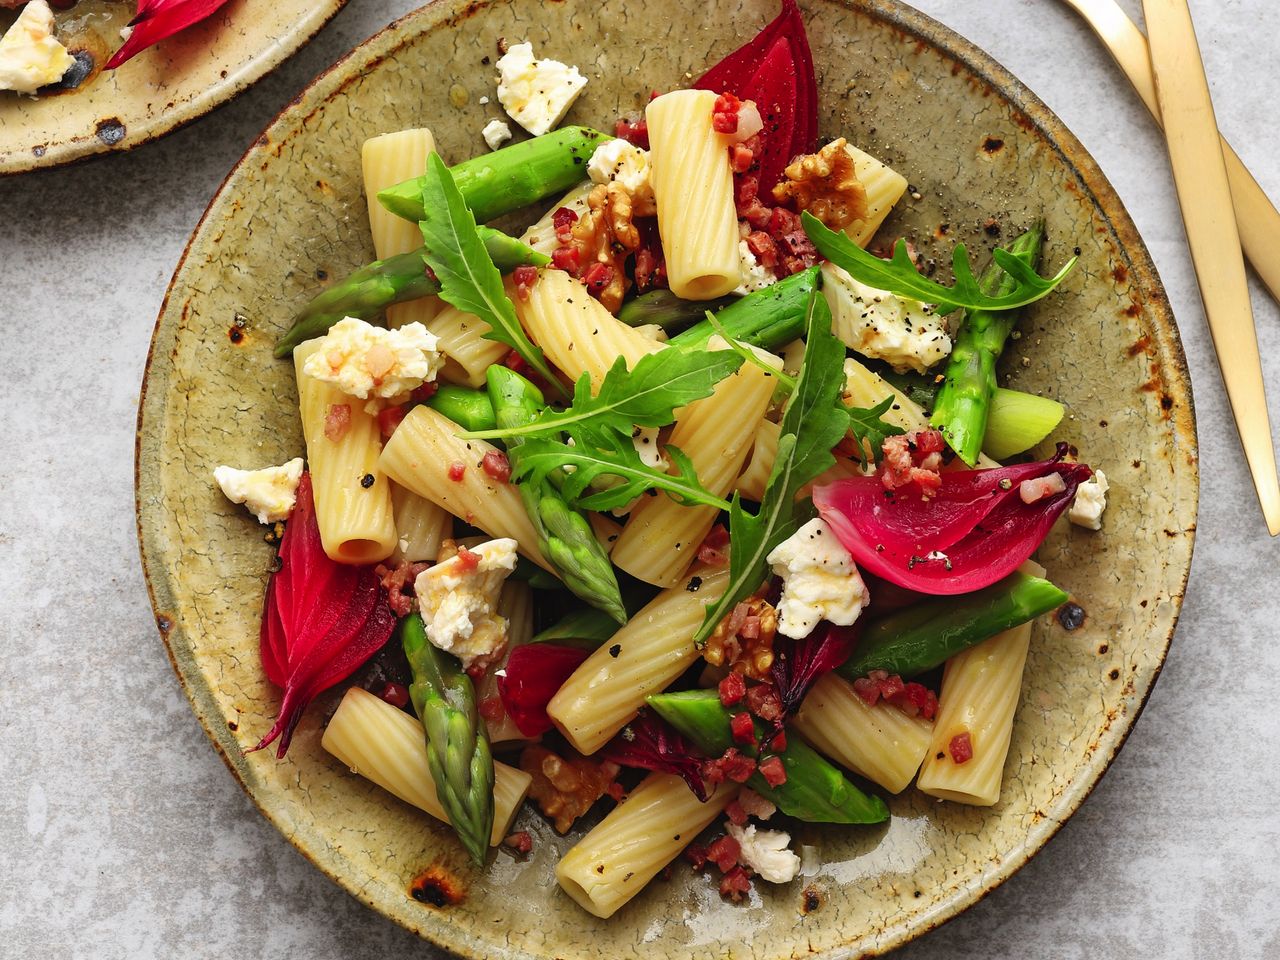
[
  {"x": 649, "y": 743},
  {"x": 797, "y": 664},
  {"x": 974, "y": 531},
  {"x": 531, "y": 678},
  {"x": 158, "y": 20}
]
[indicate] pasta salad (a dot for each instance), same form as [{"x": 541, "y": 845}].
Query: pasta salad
[{"x": 685, "y": 503}]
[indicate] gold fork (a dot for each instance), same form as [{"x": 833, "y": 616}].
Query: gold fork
[{"x": 1256, "y": 216}]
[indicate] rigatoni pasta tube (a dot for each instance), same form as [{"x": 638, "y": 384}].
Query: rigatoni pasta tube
[
  {"x": 979, "y": 696},
  {"x": 420, "y": 455},
  {"x": 385, "y": 161},
  {"x": 639, "y": 837},
  {"x": 764, "y": 452},
  {"x": 661, "y": 538},
  {"x": 356, "y": 521},
  {"x": 577, "y": 334},
  {"x": 468, "y": 352},
  {"x": 654, "y": 648},
  {"x": 881, "y": 743},
  {"x": 884, "y": 186},
  {"x": 420, "y": 525},
  {"x": 693, "y": 187},
  {"x": 516, "y": 605},
  {"x": 387, "y": 746},
  {"x": 542, "y": 235}
]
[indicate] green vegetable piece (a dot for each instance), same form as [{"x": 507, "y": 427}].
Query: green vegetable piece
[
  {"x": 366, "y": 293},
  {"x": 963, "y": 403},
  {"x": 767, "y": 318},
  {"x": 468, "y": 278},
  {"x": 663, "y": 308},
  {"x": 925, "y": 635},
  {"x": 899, "y": 275},
  {"x": 812, "y": 424},
  {"x": 457, "y": 748},
  {"x": 496, "y": 183},
  {"x": 815, "y": 790},
  {"x": 589, "y": 628},
  {"x": 1018, "y": 421},
  {"x": 469, "y": 408}
]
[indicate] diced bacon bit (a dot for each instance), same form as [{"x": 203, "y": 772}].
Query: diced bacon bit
[
  {"x": 724, "y": 853},
  {"x": 773, "y": 771},
  {"x": 397, "y": 581},
  {"x": 650, "y": 264},
  {"x": 635, "y": 132},
  {"x": 746, "y": 198},
  {"x": 779, "y": 742},
  {"x": 961, "y": 748},
  {"x": 496, "y": 465},
  {"x": 914, "y": 457},
  {"x": 525, "y": 277},
  {"x": 732, "y": 766},
  {"x": 743, "y": 641},
  {"x": 616, "y": 792},
  {"x": 467, "y": 560},
  {"x": 763, "y": 700},
  {"x": 696, "y": 854},
  {"x": 763, "y": 248},
  {"x": 913, "y": 699},
  {"x": 736, "y": 814},
  {"x": 337, "y": 421},
  {"x": 732, "y": 689},
  {"x": 389, "y": 418},
  {"x": 565, "y": 788},
  {"x": 755, "y": 805},
  {"x": 563, "y": 220},
  {"x": 425, "y": 392},
  {"x": 750, "y": 628},
  {"x": 568, "y": 259},
  {"x": 1034, "y": 490},
  {"x": 735, "y": 884},
  {"x": 520, "y": 842},
  {"x": 713, "y": 551},
  {"x": 457, "y": 470},
  {"x": 597, "y": 277},
  {"x": 724, "y": 113},
  {"x": 743, "y": 728},
  {"x": 491, "y": 709},
  {"x": 740, "y": 158}
]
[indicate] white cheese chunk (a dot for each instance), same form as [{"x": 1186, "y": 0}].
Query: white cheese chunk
[
  {"x": 755, "y": 805},
  {"x": 623, "y": 163},
  {"x": 645, "y": 440},
  {"x": 363, "y": 360},
  {"x": 1091, "y": 500},
  {"x": 767, "y": 852},
  {"x": 269, "y": 493},
  {"x": 536, "y": 93},
  {"x": 458, "y": 601},
  {"x": 30, "y": 56},
  {"x": 819, "y": 581},
  {"x": 906, "y": 334},
  {"x": 755, "y": 275},
  {"x": 496, "y": 133}
]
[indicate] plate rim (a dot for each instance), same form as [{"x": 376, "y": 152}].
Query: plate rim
[
  {"x": 72, "y": 151},
  {"x": 1175, "y": 375}
]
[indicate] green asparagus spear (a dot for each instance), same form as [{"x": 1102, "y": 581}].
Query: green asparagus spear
[
  {"x": 664, "y": 308},
  {"x": 457, "y": 748},
  {"x": 924, "y": 636},
  {"x": 471, "y": 409},
  {"x": 564, "y": 534},
  {"x": 508, "y": 179},
  {"x": 766, "y": 318},
  {"x": 814, "y": 790},
  {"x": 965, "y": 398},
  {"x": 371, "y": 289}
]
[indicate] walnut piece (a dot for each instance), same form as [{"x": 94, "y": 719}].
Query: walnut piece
[
  {"x": 606, "y": 233},
  {"x": 565, "y": 789},
  {"x": 826, "y": 185},
  {"x": 744, "y": 639}
]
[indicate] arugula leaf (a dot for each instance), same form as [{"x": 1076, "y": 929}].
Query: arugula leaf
[
  {"x": 460, "y": 261},
  {"x": 899, "y": 275},
  {"x": 785, "y": 382},
  {"x": 869, "y": 430},
  {"x": 646, "y": 396},
  {"x": 813, "y": 423},
  {"x": 537, "y": 457}
]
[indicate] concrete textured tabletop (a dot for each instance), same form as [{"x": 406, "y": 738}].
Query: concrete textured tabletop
[{"x": 123, "y": 835}]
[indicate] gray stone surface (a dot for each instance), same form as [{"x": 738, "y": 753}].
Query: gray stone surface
[{"x": 121, "y": 833}]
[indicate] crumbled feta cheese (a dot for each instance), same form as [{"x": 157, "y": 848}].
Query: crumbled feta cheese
[
  {"x": 1091, "y": 500},
  {"x": 755, "y": 275},
  {"x": 269, "y": 493},
  {"x": 819, "y": 581},
  {"x": 496, "y": 133},
  {"x": 30, "y": 57},
  {"x": 459, "y": 602},
  {"x": 361, "y": 359},
  {"x": 536, "y": 93},
  {"x": 1038, "y": 488},
  {"x": 906, "y": 334},
  {"x": 645, "y": 440},
  {"x": 623, "y": 163},
  {"x": 766, "y": 852}
]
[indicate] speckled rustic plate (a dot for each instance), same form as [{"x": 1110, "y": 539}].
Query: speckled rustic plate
[
  {"x": 159, "y": 90},
  {"x": 980, "y": 151}
]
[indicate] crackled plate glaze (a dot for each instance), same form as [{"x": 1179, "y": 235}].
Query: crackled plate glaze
[
  {"x": 981, "y": 152},
  {"x": 161, "y": 89}
]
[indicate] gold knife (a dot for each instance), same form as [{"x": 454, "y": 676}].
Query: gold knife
[
  {"x": 1200, "y": 174},
  {"x": 1256, "y": 216}
]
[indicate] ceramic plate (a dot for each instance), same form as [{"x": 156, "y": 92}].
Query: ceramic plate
[
  {"x": 161, "y": 89},
  {"x": 982, "y": 154}
]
